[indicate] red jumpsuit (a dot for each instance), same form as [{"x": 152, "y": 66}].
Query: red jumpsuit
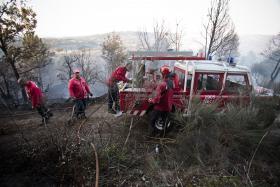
[
  {"x": 113, "y": 90},
  {"x": 34, "y": 94},
  {"x": 79, "y": 89},
  {"x": 162, "y": 103},
  {"x": 118, "y": 75},
  {"x": 163, "y": 98}
]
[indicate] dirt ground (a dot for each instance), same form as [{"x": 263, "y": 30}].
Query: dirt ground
[{"x": 24, "y": 125}]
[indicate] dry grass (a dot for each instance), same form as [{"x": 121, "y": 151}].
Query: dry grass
[{"x": 208, "y": 149}]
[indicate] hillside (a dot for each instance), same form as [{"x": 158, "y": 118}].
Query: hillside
[{"x": 253, "y": 43}]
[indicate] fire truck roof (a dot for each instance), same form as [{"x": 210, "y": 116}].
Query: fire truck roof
[
  {"x": 211, "y": 66},
  {"x": 165, "y": 55}
]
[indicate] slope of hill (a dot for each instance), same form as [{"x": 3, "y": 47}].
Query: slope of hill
[{"x": 248, "y": 43}]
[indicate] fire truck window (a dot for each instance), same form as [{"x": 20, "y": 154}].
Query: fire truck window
[
  {"x": 209, "y": 82},
  {"x": 181, "y": 81},
  {"x": 235, "y": 83}
]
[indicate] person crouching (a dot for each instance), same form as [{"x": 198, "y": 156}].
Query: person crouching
[
  {"x": 162, "y": 102},
  {"x": 35, "y": 95}
]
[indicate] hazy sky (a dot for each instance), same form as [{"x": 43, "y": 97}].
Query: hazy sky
[{"x": 58, "y": 18}]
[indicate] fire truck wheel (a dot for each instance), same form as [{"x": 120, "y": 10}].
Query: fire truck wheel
[{"x": 160, "y": 124}]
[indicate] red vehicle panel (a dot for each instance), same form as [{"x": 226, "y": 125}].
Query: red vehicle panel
[{"x": 194, "y": 78}]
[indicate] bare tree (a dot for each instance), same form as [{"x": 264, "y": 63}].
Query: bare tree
[
  {"x": 113, "y": 51},
  {"x": 158, "y": 41},
  {"x": 260, "y": 72},
  {"x": 88, "y": 66},
  {"x": 229, "y": 47},
  {"x": 273, "y": 54},
  {"x": 66, "y": 71},
  {"x": 176, "y": 38},
  {"x": 84, "y": 61},
  {"x": 219, "y": 32}
]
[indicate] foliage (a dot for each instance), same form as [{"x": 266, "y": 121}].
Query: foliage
[
  {"x": 220, "y": 143},
  {"x": 35, "y": 57},
  {"x": 22, "y": 50},
  {"x": 113, "y": 51}
]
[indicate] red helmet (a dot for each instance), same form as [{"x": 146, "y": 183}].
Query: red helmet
[{"x": 165, "y": 70}]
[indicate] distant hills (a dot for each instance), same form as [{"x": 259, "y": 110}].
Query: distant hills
[
  {"x": 130, "y": 40},
  {"x": 248, "y": 43}
]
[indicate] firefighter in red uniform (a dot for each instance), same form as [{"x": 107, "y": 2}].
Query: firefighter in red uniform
[
  {"x": 113, "y": 90},
  {"x": 35, "y": 95},
  {"x": 78, "y": 90},
  {"x": 163, "y": 100}
]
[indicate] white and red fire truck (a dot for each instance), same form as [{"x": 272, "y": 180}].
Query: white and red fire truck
[{"x": 195, "y": 78}]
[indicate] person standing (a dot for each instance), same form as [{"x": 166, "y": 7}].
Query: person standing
[
  {"x": 113, "y": 91},
  {"x": 35, "y": 95},
  {"x": 162, "y": 102},
  {"x": 79, "y": 90}
]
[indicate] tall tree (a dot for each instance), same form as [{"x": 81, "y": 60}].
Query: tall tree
[
  {"x": 273, "y": 54},
  {"x": 176, "y": 37},
  {"x": 113, "y": 51},
  {"x": 16, "y": 20},
  {"x": 219, "y": 32},
  {"x": 34, "y": 57}
]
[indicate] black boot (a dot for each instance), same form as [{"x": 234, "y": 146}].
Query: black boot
[{"x": 111, "y": 111}]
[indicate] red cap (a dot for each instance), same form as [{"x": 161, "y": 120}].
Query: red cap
[{"x": 76, "y": 71}]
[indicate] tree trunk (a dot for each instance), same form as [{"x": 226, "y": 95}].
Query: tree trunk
[
  {"x": 12, "y": 63},
  {"x": 6, "y": 85},
  {"x": 274, "y": 74}
]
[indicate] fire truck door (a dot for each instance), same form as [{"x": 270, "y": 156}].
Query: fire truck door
[
  {"x": 236, "y": 89},
  {"x": 208, "y": 87}
]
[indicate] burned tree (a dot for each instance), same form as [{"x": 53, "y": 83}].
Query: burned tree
[
  {"x": 88, "y": 66},
  {"x": 66, "y": 71},
  {"x": 273, "y": 54},
  {"x": 219, "y": 32},
  {"x": 84, "y": 61}
]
